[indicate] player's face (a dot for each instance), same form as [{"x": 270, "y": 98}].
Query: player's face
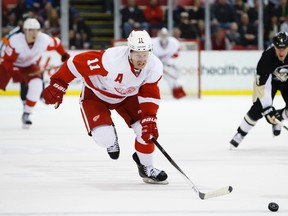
[
  {"x": 31, "y": 35},
  {"x": 281, "y": 53},
  {"x": 139, "y": 59}
]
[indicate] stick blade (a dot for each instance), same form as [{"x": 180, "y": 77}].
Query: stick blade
[{"x": 220, "y": 192}]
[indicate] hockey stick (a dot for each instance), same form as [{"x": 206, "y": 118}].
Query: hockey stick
[{"x": 203, "y": 196}]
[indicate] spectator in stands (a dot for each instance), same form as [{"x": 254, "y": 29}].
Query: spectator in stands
[
  {"x": 282, "y": 11},
  {"x": 188, "y": 30},
  {"x": 10, "y": 24},
  {"x": 155, "y": 16},
  {"x": 52, "y": 24},
  {"x": 176, "y": 13},
  {"x": 79, "y": 32},
  {"x": 253, "y": 13},
  {"x": 223, "y": 14},
  {"x": 132, "y": 18},
  {"x": 240, "y": 7},
  {"x": 248, "y": 31},
  {"x": 44, "y": 13},
  {"x": 196, "y": 12},
  {"x": 20, "y": 10},
  {"x": 73, "y": 42},
  {"x": 233, "y": 35},
  {"x": 271, "y": 29},
  {"x": 201, "y": 33},
  {"x": 219, "y": 41},
  {"x": 284, "y": 25},
  {"x": 176, "y": 32}
]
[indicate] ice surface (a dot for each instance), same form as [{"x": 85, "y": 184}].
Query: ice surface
[{"x": 56, "y": 169}]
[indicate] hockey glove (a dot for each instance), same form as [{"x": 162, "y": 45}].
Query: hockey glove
[
  {"x": 149, "y": 128},
  {"x": 54, "y": 93},
  {"x": 271, "y": 115},
  {"x": 64, "y": 57}
]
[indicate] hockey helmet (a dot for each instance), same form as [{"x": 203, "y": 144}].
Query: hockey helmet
[
  {"x": 139, "y": 41},
  {"x": 163, "y": 32},
  {"x": 280, "y": 40},
  {"x": 31, "y": 23}
]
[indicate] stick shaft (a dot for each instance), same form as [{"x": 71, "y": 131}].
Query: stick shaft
[
  {"x": 284, "y": 126},
  {"x": 175, "y": 165}
]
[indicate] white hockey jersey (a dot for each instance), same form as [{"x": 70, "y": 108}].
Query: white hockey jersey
[
  {"x": 19, "y": 52},
  {"x": 111, "y": 76},
  {"x": 168, "y": 52}
]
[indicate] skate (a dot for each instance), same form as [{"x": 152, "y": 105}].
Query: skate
[
  {"x": 178, "y": 92},
  {"x": 114, "y": 151},
  {"x": 276, "y": 129},
  {"x": 26, "y": 120},
  {"x": 150, "y": 174},
  {"x": 237, "y": 139}
]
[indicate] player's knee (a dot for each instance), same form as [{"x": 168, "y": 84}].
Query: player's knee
[
  {"x": 137, "y": 127},
  {"x": 255, "y": 111},
  {"x": 104, "y": 135},
  {"x": 35, "y": 83}
]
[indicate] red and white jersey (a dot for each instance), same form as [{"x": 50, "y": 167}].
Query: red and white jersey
[
  {"x": 111, "y": 76},
  {"x": 166, "y": 52},
  {"x": 21, "y": 54}
]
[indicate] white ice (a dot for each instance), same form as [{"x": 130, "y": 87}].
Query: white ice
[{"x": 56, "y": 169}]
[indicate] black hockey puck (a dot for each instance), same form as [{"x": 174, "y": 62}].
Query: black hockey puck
[{"x": 273, "y": 206}]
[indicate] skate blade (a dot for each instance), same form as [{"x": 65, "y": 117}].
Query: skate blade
[
  {"x": 26, "y": 126},
  {"x": 151, "y": 181}
]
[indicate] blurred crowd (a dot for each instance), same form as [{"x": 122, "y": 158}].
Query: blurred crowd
[
  {"x": 47, "y": 12},
  {"x": 234, "y": 23}
]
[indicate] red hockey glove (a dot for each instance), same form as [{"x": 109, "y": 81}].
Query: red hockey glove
[
  {"x": 54, "y": 93},
  {"x": 149, "y": 128},
  {"x": 271, "y": 115},
  {"x": 64, "y": 57}
]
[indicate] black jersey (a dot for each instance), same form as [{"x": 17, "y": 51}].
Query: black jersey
[
  {"x": 269, "y": 64},
  {"x": 272, "y": 75}
]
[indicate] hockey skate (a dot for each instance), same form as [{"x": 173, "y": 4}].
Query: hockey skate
[
  {"x": 114, "y": 151},
  {"x": 178, "y": 92},
  {"x": 276, "y": 129},
  {"x": 150, "y": 174},
  {"x": 26, "y": 120},
  {"x": 237, "y": 139}
]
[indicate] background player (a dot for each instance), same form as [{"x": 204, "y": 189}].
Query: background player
[
  {"x": 124, "y": 79},
  {"x": 272, "y": 75},
  {"x": 166, "y": 48},
  {"x": 21, "y": 62}
]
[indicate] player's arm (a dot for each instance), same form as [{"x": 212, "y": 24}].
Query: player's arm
[
  {"x": 57, "y": 45},
  {"x": 149, "y": 99},
  {"x": 80, "y": 66},
  {"x": 59, "y": 82},
  {"x": 263, "y": 81},
  {"x": 263, "y": 87},
  {"x": 7, "y": 67}
]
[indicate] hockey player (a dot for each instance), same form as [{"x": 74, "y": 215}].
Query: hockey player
[
  {"x": 272, "y": 75},
  {"x": 21, "y": 62},
  {"x": 166, "y": 48},
  {"x": 124, "y": 79}
]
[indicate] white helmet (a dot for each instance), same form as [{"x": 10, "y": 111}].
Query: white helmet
[
  {"x": 163, "y": 32},
  {"x": 163, "y": 35},
  {"x": 31, "y": 23},
  {"x": 139, "y": 41}
]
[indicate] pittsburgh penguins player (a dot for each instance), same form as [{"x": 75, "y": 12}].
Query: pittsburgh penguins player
[{"x": 272, "y": 75}]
